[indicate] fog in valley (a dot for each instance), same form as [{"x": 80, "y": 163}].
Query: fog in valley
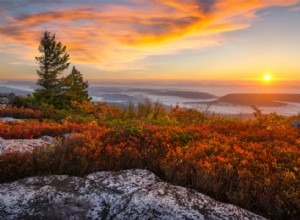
[{"x": 199, "y": 95}]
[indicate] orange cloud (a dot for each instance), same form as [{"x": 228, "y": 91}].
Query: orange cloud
[{"x": 111, "y": 36}]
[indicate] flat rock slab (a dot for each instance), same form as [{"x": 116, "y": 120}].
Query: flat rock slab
[
  {"x": 25, "y": 145},
  {"x": 9, "y": 119},
  {"x": 130, "y": 194}
]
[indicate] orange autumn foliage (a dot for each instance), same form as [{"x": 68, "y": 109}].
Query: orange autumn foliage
[{"x": 254, "y": 164}]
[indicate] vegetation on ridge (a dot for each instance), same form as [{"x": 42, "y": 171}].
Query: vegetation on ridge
[{"x": 253, "y": 164}]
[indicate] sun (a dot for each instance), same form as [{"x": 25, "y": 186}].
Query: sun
[{"x": 267, "y": 77}]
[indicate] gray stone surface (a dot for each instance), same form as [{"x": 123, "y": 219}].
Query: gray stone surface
[
  {"x": 25, "y": 145},
  {"x": 72, "y": 135},
  {"x": 131, "y": 194},
  {"x": 296, "y": 124},
  {"x": 10, "y": 119}
]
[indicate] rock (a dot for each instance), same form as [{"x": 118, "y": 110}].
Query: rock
[
  {"x": 2, "y": 145},
  {"x": 25, "y": 145},
  {"x": 3, "y": 101},
  {"x": 9, "y": 119},
  {"x": 296, "y": 124},
  {"x": 130, "y": 194},
  {"x": 6, "y": 99},
  {"x": 48, "y": 139},
  {"x": 72, "y": 135}
]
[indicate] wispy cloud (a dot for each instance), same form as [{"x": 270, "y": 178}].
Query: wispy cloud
[{"x": 111, "y": 35}]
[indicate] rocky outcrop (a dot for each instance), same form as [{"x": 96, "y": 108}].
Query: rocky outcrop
[
  {"x": 6, "y": 99},
  {"x": 9, "y": 119},
  {"x": 296, "y": 124},
  {"x": 131, "y": 194},
  {"x": 25, "y": 145}
]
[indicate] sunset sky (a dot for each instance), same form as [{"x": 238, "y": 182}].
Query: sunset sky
[{"x": 156, "y": 39}]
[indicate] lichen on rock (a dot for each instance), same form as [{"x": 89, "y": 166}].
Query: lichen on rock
[
  {"x": 25, "y": 145},
  {"x": 129, "y": 194}
]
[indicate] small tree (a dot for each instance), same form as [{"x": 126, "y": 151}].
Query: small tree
[
  {"x": 74, "y": 88},
  {"x": 52, "y": 62}
]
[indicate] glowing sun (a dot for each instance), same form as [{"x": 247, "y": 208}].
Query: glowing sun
[{"x": 267, "y": 77}]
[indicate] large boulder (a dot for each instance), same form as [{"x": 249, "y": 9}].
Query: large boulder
[
  {"x": 25, "y": 145},
  {"x": 130, "y": 194}
]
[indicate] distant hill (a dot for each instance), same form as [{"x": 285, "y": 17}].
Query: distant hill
[
  {"x": 255, "y": 99},
  {"x": 96, "y": 90},
  {"x": 4, "y": 89},
  {"x": 19, "y": 82}
]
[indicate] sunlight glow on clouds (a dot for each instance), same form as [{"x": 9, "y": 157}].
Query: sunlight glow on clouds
[{"x": 112, "y": 34}]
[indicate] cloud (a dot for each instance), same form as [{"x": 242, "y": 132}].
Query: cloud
[
  {"x": 9, "y": 4},
  {"x": 111, "y": 35}
]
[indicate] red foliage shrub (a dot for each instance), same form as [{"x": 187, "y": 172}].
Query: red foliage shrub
[
  {"x": 34, "y": 129},
  {"x": 15, "y": 112},
  {"x": 253, "y": 164}
]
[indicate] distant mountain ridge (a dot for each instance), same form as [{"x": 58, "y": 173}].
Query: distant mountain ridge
[
  {"x": 4, "y": 89},
  {"x": 256, "y": 99},
  {"x": 96, "y": 90}
]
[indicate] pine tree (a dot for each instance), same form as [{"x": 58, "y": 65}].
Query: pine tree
[
  {"x": 52, "y": 62},
  {"x": 74, "y": 88}
]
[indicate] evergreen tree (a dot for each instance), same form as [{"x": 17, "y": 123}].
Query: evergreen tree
[
  {"x": 74, "y": 88},
  {"x": 52, "y": 62}
]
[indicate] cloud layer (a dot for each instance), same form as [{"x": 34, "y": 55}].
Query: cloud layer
[{"x": 112, "y": 35}]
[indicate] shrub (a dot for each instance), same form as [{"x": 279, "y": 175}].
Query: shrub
[
  {"x": 187, "y": 116},
  {"x": 25, "y": 102},
  {"x": 21, "y": 113},
  {"x": 254, "y": 164}
]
